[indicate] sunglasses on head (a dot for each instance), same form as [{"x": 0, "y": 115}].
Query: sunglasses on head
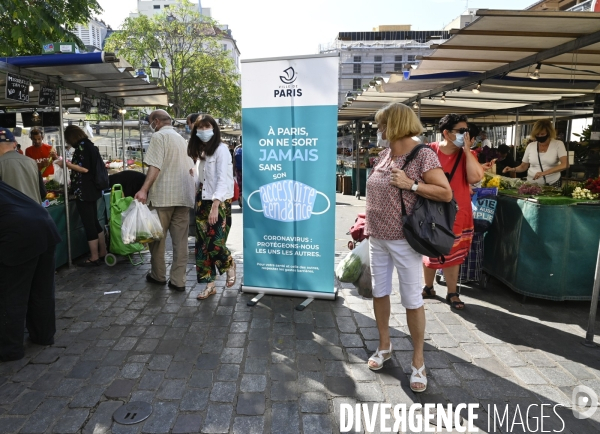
[{"x": 461, "y": 130}]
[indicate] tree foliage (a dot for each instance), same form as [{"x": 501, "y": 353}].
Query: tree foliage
[
  {"x": 200, "y": 75},
  {"x": 26, "y": 24}
]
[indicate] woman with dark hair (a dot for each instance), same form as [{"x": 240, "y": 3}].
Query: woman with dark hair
[
  {"x": 213, "y": 204},
  {"x": 83, "y": 166},
  {"x": 463, "y": 169}
]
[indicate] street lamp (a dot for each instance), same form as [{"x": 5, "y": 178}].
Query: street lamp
[{"x": 155, "y": 69}]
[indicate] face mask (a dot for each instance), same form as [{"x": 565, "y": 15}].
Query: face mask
[
  {"x": 153, "y": 129},
  {"x": 541, "y": 139},
  {"x": 460, "y": 140},
  {"x": 383, "y": 143},
  {"x": 205, "y": 135}
]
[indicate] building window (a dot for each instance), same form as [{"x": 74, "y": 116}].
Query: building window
[
  {"x": 398, "y": 63},
  {"x": 357, "y": 59},
  {"x": 356, "y": 68},
  {"x": 377, "y": 68},
  {"x": 156, "y": 6},
  {"x": 377, "y": 58},
  {"x": 412, "y": 58},
  {"x": 225, "y": 47},
  {"x": 167, "y": 6},
  {"x": 356, "y": 84}
]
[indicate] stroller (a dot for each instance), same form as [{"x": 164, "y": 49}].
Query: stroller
[
  {"x": 114, "y": 242},
  {"x": 357, "y": 231}
]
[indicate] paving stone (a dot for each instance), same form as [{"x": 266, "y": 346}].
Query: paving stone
[
  {"x": 11, "y": 424},
  {"x": 179, "y": 370},
  {"x": 68, "y": 387},
  {"x": 368, "y": 392},
  {"x": 469, "y": 371},
  {"x": 162, "y": 418},
  {"x": 200, "y": 379},
  {"x": 41, "y": 420},
  {"x": 346, "y": 324},
  {"x": 82, "y": 370},
  {"x": 71, "y": 421},
  {"x": 194, "y": 400},
  {"x": 171, "y": 389},
  {"x": 232, "y": 355},
  {"x": 314, "y": 402},
  {"x": 218, "y": 419},
  {"x": 114, "y": 358},
  {"x": 132, "y": 370},
  {"x": 251, "y": 404},
  {"x": 236, "y": 340},
  {"x": 316, "y": 423},
  {"x": 283, "y": 372},
  {"x": 311, "y": 381},
  {"x": 255, "y": 366},
  {"x": 151, "y": 380},
  {"x": 9, "y": 392},
  {"x": 249, "y": 425},
  {"x": 253, "y": 383},
  {"x": 529, "y": 376},
  {"x": 256, "y": 349},
  {"x": 284, "y": 391},
  {"x": 87, "y": 397},
  {"x": 494, "y": 366},
  {"x": 119, "y": 389},
  {"x": 187, "y": 423},
  {"x": 357, "y": 355},
  {"x": 29, "y": 374},
  {"x": 508, "y": 355},
  {"x": 27, "y": 403},
  {"x": 48, "y": 355},
  {"x": 539, "y": 359},
  {"x": 223, "y": 392},
  {"x": 287, "y": 418},
  {"x": 48, "y": 382},
  {"x": 101, "y": 420}
]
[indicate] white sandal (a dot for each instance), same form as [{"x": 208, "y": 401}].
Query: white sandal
[
  {"x": 419, "y": 378},
  {"x": 379, "y": 358}
]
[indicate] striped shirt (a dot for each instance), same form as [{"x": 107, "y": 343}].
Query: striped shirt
[{"x": 174, "y": 186}]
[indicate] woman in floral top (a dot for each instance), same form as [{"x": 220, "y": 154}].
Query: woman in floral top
[{"x": 389, "y": 249}]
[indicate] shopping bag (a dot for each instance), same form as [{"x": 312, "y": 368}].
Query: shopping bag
[
  {"x": 364, "y": 284},
  {"x": 350, "y": 268},
  {"x": 119, "y": 204},
  {"x": 140, "y": 224},
  {"x": 236, "y": 191}
]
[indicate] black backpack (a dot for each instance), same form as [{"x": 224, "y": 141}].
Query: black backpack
[
  {"x": 429, "y": 229},
  {"x": 100, "y": 172}
]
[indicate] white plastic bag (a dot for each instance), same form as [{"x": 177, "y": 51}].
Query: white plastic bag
[
  {"x": 140, "y": 224},
  {"x": 350, "y": 268}
]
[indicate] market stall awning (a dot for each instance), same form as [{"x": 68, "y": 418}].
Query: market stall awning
[
  {"x": 96, "y": 74},
  {"x": 500, "y": 62}
]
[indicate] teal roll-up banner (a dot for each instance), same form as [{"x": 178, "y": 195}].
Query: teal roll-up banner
[{"x": 289, "y": 115}]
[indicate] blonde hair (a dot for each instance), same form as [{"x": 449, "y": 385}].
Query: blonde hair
[
  {"x": 541, "y": 125},
  {"x": 400, "y": 121}
]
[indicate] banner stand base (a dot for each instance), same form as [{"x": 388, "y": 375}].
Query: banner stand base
[{"x": 309, "y": 295}]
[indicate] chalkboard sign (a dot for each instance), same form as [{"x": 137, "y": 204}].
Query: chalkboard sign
[
  {"x": 86, "y": 104},
  {"x": 17, "y": 88},
  {"x": 47, "y": 96},
  {"x": 104, "y": 106}
]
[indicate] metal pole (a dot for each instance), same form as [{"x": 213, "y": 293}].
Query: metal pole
[
  {"x": 589, "y": 337},
  {"x": 141, "y": 145},
  {"x": 515, "y": 138},
  {"x": 65, "y": 176},
  {"x": 123, "y": 139},
  {"x": 357, "y": 134}
]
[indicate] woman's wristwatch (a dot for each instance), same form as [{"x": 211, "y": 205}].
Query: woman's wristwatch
[{"x": 415, "y": 186}]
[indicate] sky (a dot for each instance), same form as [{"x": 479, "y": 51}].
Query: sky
[{"x": 276, "y": 28}]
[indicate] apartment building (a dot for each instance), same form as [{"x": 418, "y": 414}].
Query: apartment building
[
  {"x": 92, "y": 34},
  {"x": 379, "y": 53}
]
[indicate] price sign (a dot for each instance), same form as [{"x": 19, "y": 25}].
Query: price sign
[
  {"x": 47, "y": 96},
  {"x": 104, "y": 106},
  {"x": 86, "y": 104},
  {"x": 17, "y": 88}
]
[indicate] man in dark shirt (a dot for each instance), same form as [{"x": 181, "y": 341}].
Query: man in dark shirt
[
  {"x": 28, "y": 237},
  {"x": 504, "y": 159}
]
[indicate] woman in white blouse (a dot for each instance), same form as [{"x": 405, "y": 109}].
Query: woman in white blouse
[
  {"x": 213, "y": 204},
  {"x": 545, "y": 158}
]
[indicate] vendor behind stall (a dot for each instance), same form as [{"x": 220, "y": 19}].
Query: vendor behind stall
[
  {"x": 544, "y": 158},
  {"x": 43, "y": 154},
  {"x": 19, "y": 171},
  {"x": 504, "y": 159}
]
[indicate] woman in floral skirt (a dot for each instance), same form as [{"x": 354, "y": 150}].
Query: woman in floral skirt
[{"x": 213, "y": 204}]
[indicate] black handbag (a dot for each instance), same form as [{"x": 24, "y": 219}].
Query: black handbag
[
  {"x": 429, "y": 229},
  {"x": 554, "y": 184}
]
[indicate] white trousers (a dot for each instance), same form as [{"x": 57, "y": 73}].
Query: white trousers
[{"x": 385, "y": 255}]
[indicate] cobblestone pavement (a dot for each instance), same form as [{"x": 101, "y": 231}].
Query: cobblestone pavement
[{"x": 219, "y": 366}]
